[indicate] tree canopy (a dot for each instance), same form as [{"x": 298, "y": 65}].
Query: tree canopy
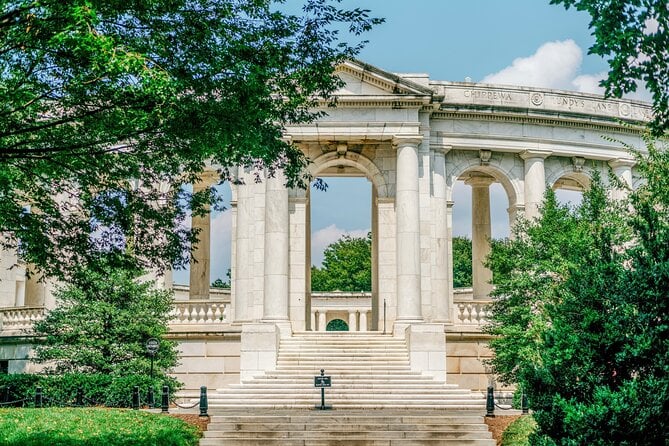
[
  {"x": 633, "y": 35},
  {"x": 580, "y": 314},
  {"x": 101, "y": 325},
  {"x": 347, "y": 266},
  {"x": 108, "y": 108}
]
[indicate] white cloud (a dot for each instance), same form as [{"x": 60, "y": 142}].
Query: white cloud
[
  {"x": 553, "y": 65},
  {"x": 556, "y": 65},
  {"x": 589, "y": 83},
  {"x": 322, "y": 238}
]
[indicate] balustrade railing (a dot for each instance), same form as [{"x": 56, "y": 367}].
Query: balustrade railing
[
  {"x": 471, "y": 313},
  {"x": 20, "y": 318},
  {"x": 190, "y": 312}
]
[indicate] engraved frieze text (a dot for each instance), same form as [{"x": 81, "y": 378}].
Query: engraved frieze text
[{"x": 490, "y": 95}]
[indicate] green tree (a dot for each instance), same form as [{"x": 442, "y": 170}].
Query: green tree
[
  {"x": 347, "y": 266},
  {"x": 633, "y": 35},
  {"x": 101, "y": 325},
  {"x": 218, "y": 283},
  {"x": 109, "y": 107},
  {"x": 462, "y": 262},
  {"x": 580, "y": 315}
]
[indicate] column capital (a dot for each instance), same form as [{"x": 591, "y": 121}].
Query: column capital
[
  {"x": 515, "y": 208},
  {"x": 441, "y": 149},
  {"x": 407, "y": 140},
  {"x": 622, "y": 162},
  {"x": 479, "y": 180},
  {"x": 536, "y": 154}
]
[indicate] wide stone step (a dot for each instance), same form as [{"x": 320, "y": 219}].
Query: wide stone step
[
  {"x": 342, "y": 403},
  {"x": 352, "y": 426},
  {"x": 352, "y": 433},
  {"x": 334, "y": 441}
]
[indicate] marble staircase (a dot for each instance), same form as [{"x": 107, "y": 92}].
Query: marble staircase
[
  {"x": 368, "y": 370},
  {"x": 381, "y": 427},
  {"x": 377, "y": 400}
]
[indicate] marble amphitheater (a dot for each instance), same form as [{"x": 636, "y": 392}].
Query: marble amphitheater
[{"x": 414, "y": 341}]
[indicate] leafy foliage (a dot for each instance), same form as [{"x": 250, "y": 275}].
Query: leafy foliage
[
  {"x": 94, "y": 427},
  {"x": 518, "y": 432},
  {"x": 337, "y": 325},
  {"x": 101, "y": 325},
  {"x": 347, "y": 266},
  {"x": 462, "y": 262},
  {"x": 98, "y": 389},
  {"x": 580, "y": 314},
  {"x": 109, "y": 107},
  {"x": 634, "y": 36},
  {"x": 218, "y": 283}
]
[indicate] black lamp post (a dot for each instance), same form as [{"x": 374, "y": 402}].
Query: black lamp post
[{"x": 152, "y": 346}]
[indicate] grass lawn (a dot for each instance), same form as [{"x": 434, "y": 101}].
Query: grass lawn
[
  {"x": 92, "y": 427},
  {"x": 518, "y": 432}
]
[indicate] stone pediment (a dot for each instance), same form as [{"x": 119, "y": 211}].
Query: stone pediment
[{"x": 366, "y": 80}]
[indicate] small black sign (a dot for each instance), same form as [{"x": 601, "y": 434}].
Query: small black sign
[{"x": 322, "y": 381}]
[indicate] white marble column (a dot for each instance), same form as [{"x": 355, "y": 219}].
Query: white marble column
[
  {"x": 408, "y": 230},
  {"x": 622, "y": 168},
  {"x": 441, "y": 286},
  {"x": 313, "y": 321},
  {"x": 275, "y": 297},
  {"x": 535, "y": 181},
  {"x": 322, "y": 321},
  {"x": 243, "y": 244},
  {"x": 201, "y": 256},
  {"x": 362, "y": 324},
  {"x": 481, "y": 234},
  {"x": 351, "y": 321}
]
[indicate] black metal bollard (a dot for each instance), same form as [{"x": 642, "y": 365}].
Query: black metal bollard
[
  {"x": 490, "y": 403},
  {"x": 135, "y": 397},
  {"x": 38, "y": 397},
  {"x": 165, "y": 403},
  {"x": 523, "y": 404},
  {"x": 204, "y": 403},
  {"x": 151, "y": 401},
  {"x": 79, "y": 400}
]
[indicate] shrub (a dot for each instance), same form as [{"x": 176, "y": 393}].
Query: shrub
[
  {"x": 97, "y": 389},
  {"x": 518, "y": 432},
  {"x": 16, "y": 387}
]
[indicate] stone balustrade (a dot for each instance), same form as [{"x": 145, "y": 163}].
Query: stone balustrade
[
  {"x": 354, "y": 308},
  {"x": 195, "y": 312},
  {"x": 471, "y": 313},
  {"x": 19, "y": 319}
]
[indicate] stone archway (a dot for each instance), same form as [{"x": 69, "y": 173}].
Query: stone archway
[{"x": 347, "y": 163}]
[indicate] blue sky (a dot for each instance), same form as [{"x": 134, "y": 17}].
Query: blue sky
[{"x": 526, "y": 42}]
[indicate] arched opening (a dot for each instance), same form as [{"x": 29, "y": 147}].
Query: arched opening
[
  {"x": 569, "y": 188},
  {"x": 345, "y": 214},
  {"x": 213, "y": 254},
  {"x": 336, "y": 325}
]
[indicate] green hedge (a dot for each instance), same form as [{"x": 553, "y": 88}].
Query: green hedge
[
  {"x": 92, "y": 427},
  {"x": 98, "y": 389},
  {"x": 518, "y": 432}
]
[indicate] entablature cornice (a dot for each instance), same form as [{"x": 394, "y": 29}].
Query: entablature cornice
[
  {"x": 555, "y": 120},
  {"x": 351, "y": 132},
  {"x": 600, "y": 152},
  {"x": 384, "y": 101}
]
